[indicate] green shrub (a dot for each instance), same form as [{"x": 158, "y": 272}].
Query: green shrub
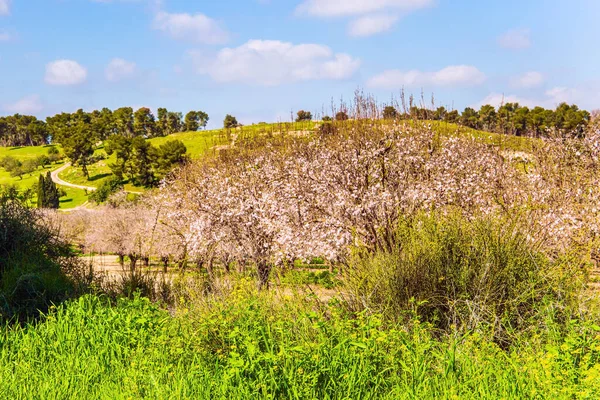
[
  {"x": 107, "y": 188},
  {"x": 453, "y": 272},
  {"x": 36, "y": 267}
]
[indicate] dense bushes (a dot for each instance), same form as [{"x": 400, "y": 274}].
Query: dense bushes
[
  {"x": 466, "y": 274},
  {"x": 36, "y": 267}
]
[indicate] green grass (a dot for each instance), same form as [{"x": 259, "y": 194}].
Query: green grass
[
  {"x": 252, "y": 346},
  {"x": 74, "y": 198}
]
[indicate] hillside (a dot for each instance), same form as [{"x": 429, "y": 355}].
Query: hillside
[
  {"x": 201, "y": 143},
  {"x": 74, "y": 197}
]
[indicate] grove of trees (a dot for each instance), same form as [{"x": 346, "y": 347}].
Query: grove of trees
[
  {"x": 331, "y": 193},
  {"x": 510, "y": 118},
  {"x": 125, "y": 133}
]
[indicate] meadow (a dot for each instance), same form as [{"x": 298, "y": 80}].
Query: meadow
[{"x": 403, "y": 259}]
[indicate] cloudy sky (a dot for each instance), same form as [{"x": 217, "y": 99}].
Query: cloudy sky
[{"x": 261, "y": 59}]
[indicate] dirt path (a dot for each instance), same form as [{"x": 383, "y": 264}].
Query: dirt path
[{"x": 58, "y": 181}]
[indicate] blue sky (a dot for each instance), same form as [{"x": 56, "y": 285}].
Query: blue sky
[{"x": 262, "y": 59}]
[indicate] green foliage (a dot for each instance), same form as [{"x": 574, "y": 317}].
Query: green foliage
[
  {"x": 22, "y": 130},
  {"x": 36, "y": 267},
  {"x": 304, "y": 116},
  {"x": 195, "y": 120},
  {"x": 390, "y": 112},
  {"x": 170, "y": 154},
  {"x": 247, "y": 346},
  {"x": 78, "y": 145},
  {"x": 48, "y": 194},
  {"x": 143, "y": 123},
  {"x": 141, "y": 162},
  {"x": 230, "y": 122},
  {"x": 107, "y": 188},
  {"x": 327, "y": 128},
  {"x": 482, "y": 274}
]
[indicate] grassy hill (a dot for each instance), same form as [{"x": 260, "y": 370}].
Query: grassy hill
[
  {"x": 74, "y": 198},
  {"x": 201, "y": 143}
]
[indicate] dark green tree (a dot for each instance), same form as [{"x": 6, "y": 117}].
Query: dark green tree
[
  {"x": 48, "y": 194},
  {"x": 79, "y": 146},
  {"x": 304, "y": 116},
  {"x": 144, "y": 123},
  {"x": 230, "y": 122}
]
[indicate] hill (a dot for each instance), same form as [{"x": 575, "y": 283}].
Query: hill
[{"x": 210, "y": 142}]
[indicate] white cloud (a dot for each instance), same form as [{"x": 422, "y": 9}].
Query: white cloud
[
  {"x": 5, "y": 7},
  {"x": 454, "y": 75},
  {"x": 336, "y": 8},
  {"x": 195, "y": 28},
  {"x": 65, "y": 72},
  {"x": 371, "y": 25},
  {"x": 27, "y": 105},
  {"x": 528, "y": 80},
  {"x": 272, "y": 62},
  {"x": 516, "y": 39},
  {"x": 119, "y": 69},
  {"x": 586, "y": 97},
  {"x": 497, "y": 99}
]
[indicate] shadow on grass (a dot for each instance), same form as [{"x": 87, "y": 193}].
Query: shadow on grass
[
  {"x": 98, "y": 177},
  {"x": 66, "y": 201}
]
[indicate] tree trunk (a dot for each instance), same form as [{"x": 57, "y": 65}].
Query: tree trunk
[
  {"x": 264, "y": 272},
  {"x": 165, "y": 261},
  {"x": 132, "y": 263}
]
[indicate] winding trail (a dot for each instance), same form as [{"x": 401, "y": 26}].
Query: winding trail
[{"x": 58, "y": 181}]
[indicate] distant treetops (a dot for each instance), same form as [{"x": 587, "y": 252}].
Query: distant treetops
[
  {"x": 24, "y": 130},
  {"x": 510, "y": 118},
  {"x": 123, "y": 131}
]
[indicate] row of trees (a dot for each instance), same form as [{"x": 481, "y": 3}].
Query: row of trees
[
  {"x": 103, "y": 124},
  {"x": 510, "y": 118},
  {"x": 24, "y": 130}
]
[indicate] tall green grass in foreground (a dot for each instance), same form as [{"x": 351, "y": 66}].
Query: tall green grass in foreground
[{"x": 254, "y": 345}]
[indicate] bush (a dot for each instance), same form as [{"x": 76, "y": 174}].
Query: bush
[
  {"x": 341, "y": 116},
  {"x": 10, "y": 163},
  {"x": 327, "y": 128},
  {"x": 106, "y": 189},
  {"x": 36, "y": 267},
  {"x": 454, "y": 272},
  {"x": 390, "y": 112}
]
